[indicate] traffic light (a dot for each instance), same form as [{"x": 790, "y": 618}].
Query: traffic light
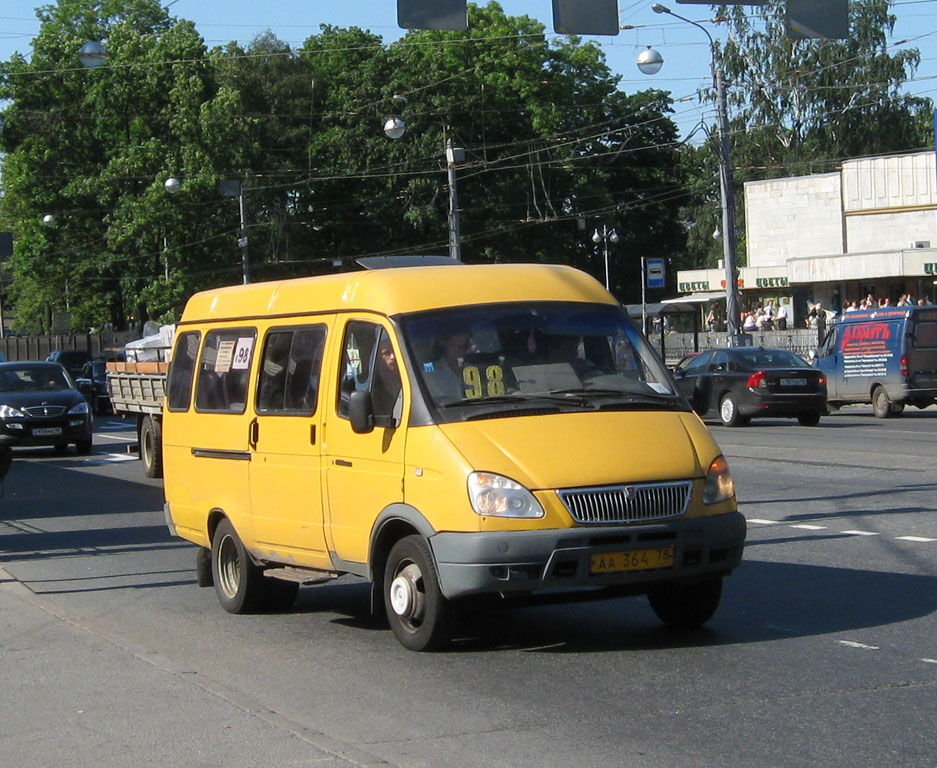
[
  {"x": 432, "y": 14},
  {"x": 804, "y": 19},
  {"x": 570, "y": 17}
]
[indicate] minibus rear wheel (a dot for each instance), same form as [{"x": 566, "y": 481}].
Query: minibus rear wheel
[
  {"x": 686, "y": 606},
  {"x": 418, "y": 613},
  {"x": 239, "y": 583}
]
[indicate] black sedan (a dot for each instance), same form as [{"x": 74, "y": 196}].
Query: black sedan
[
  {"x": 742, "y": 383},
  {"x": 39, "y": 405},
  {"x": 92, "y": 383}
]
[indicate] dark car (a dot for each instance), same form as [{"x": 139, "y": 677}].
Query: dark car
[
  {"x": 71, "y": 359},
  {"x": 92, "y": 383},
  {"x": 742, "y": 383},
  {"x": 39, "y": 405}
]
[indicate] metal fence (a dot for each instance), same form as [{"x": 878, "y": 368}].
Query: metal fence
[
  {"x": 678, "y": 345},
  {"x": 37, "y": 347}
]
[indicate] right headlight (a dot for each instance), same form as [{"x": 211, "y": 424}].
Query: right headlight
[
  {"x": 498, "y": 496},
  {"x": 9, "y": 412},
  {"x": 718, "y": 486}
]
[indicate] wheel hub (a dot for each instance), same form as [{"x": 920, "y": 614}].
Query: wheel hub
[{"x": 406, "y": 600}]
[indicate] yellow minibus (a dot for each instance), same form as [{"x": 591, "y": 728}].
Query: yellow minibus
[{"x": 444, "y": 432}]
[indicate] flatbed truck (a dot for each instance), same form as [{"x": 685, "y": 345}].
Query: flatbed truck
[{"x": 138, "y": 389}]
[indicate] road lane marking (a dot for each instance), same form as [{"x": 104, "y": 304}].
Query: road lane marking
[
  {"x": 929, "y": 661},
  {"x": 810, "y": 527},
  {"x": 854, "y": 644},
  {"x": 862, "y": 533},
  {"x": 918, "y": 539},
  {"x": 762, "y": 522}
]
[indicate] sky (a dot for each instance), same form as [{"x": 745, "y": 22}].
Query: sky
[{"x": 684, "y": 48}]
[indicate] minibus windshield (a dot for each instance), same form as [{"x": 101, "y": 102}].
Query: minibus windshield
[{"x": 473, "y": 362}]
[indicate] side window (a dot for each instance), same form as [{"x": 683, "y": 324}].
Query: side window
[
  {"x": 289, "y": 376},
  {"x": 181, "y": 371},
  {"x": 697, "y": 365},
  {"x": 828, "y": 347},
  {"x": 223, "y": 370},
  {"x": 369, "y": 363}
]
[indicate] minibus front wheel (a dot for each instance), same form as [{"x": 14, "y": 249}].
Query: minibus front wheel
[
  {"x": 239, "y": 583},
  {"x": 418, "y": 613}
]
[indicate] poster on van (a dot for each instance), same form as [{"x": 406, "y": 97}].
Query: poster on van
[{"x": 866, "y": 349}]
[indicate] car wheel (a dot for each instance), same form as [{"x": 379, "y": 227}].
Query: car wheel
[
  {"x": 239, "y": 583},
  {"x": 809, "y": 419},
  {"x": 61, "y": 447},
  {"x": 151, "y": 447},
  {"x": 729, "y": 412},
  {"x": 418, "y": 613},
  {"x": 686, "y": 606},
  {"x": 83, "y": 447},
  {"x": 881, "y": 405},
  {"x": 897, "y": 409}
]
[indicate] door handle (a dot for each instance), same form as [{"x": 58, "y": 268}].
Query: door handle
[
  {"x": 253, "y": 433},
  {"x": 342, "y": 463}
]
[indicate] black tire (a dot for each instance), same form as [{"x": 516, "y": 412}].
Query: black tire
[
  {"x": 688, "y": 606},
  {"x": 239, "y": 583},
  {"x": 151, "y": 446},
  {"x": 897, "y": 409},
  {"x": 729, "y": 412},
  {"x": 60, "y": 447},
  {"x": 280, "y": 594},
  {"x": 418, "y": 614},
  {"x": 881, "y": 405},
  {"x": 103, "y": 407},
  {"x": 809, "y": 419},
  {"x": 83, "y": 447}
]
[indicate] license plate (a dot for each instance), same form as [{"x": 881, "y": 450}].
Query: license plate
[
  {"x": 635, "y": 560},
  {"x": 793, "y": 382},
  {"x": 45, "y": 431}
]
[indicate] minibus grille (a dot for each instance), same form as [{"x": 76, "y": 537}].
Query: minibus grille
[{"x": 627, "y": 503}]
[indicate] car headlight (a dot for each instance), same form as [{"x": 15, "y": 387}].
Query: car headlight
[
  {"x": 81, "y": 407},
  {"x": 718, "y": 486},
  {"x": 498, "y": 496},
  {"x": 9, "y": 412}
]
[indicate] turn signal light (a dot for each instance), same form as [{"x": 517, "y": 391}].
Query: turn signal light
[{"x": 904, "y": 366}]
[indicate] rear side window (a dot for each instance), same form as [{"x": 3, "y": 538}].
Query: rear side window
[
  {"x": 289, "y": 376},
  {"x": 182, "y": 370},
  {"x": 223, "y": 370},
  {"x": 925, "y": 335}
]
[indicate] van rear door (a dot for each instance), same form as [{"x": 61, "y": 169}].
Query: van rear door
[{"x": 921, "y": 353}]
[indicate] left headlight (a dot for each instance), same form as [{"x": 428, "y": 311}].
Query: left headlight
[
  {"x": 9, "y": 412},
  {"x": 498, "y": 496},
  {"x": 81, "y": 407},
  {"x": 718, "y": 486}
]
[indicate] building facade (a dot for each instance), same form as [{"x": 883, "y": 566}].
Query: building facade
[{"x": 834, "y": 238}]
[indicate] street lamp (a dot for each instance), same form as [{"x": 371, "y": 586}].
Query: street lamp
[
  {"x": 92, "y": 55},
  {"x": 604, "y": 237},
  {"x": 394, "y": 128},
  {"x": 651, "y": 65}
]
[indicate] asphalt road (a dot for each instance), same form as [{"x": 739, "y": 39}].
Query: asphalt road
[{"x": 823, "y": 652}]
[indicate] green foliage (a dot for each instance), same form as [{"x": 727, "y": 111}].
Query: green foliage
[{"x": 550, "y": 140}]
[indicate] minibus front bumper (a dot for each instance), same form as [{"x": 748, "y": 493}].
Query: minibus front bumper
[{"x": 517, "y": 562}]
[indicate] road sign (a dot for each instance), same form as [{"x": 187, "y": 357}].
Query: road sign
[{"x": 655, "y": 273}]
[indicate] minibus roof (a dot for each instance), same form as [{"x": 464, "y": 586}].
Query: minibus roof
[{"x": 398, "y": 290}]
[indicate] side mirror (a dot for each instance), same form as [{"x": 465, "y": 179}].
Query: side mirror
[
  {"x": 361, "y": 412},
  {"x": 812, "y": 354}
]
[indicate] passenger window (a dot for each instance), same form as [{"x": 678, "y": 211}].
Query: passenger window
[
  {"x": 925, "y": 335},
  {"x": 697, "y": 365},
  {"x": 369, "y": 363},
  {"x": 223, "y": 370},
  {"x": 289, "y": 376},
  {"x": 182, "y": 370}
]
